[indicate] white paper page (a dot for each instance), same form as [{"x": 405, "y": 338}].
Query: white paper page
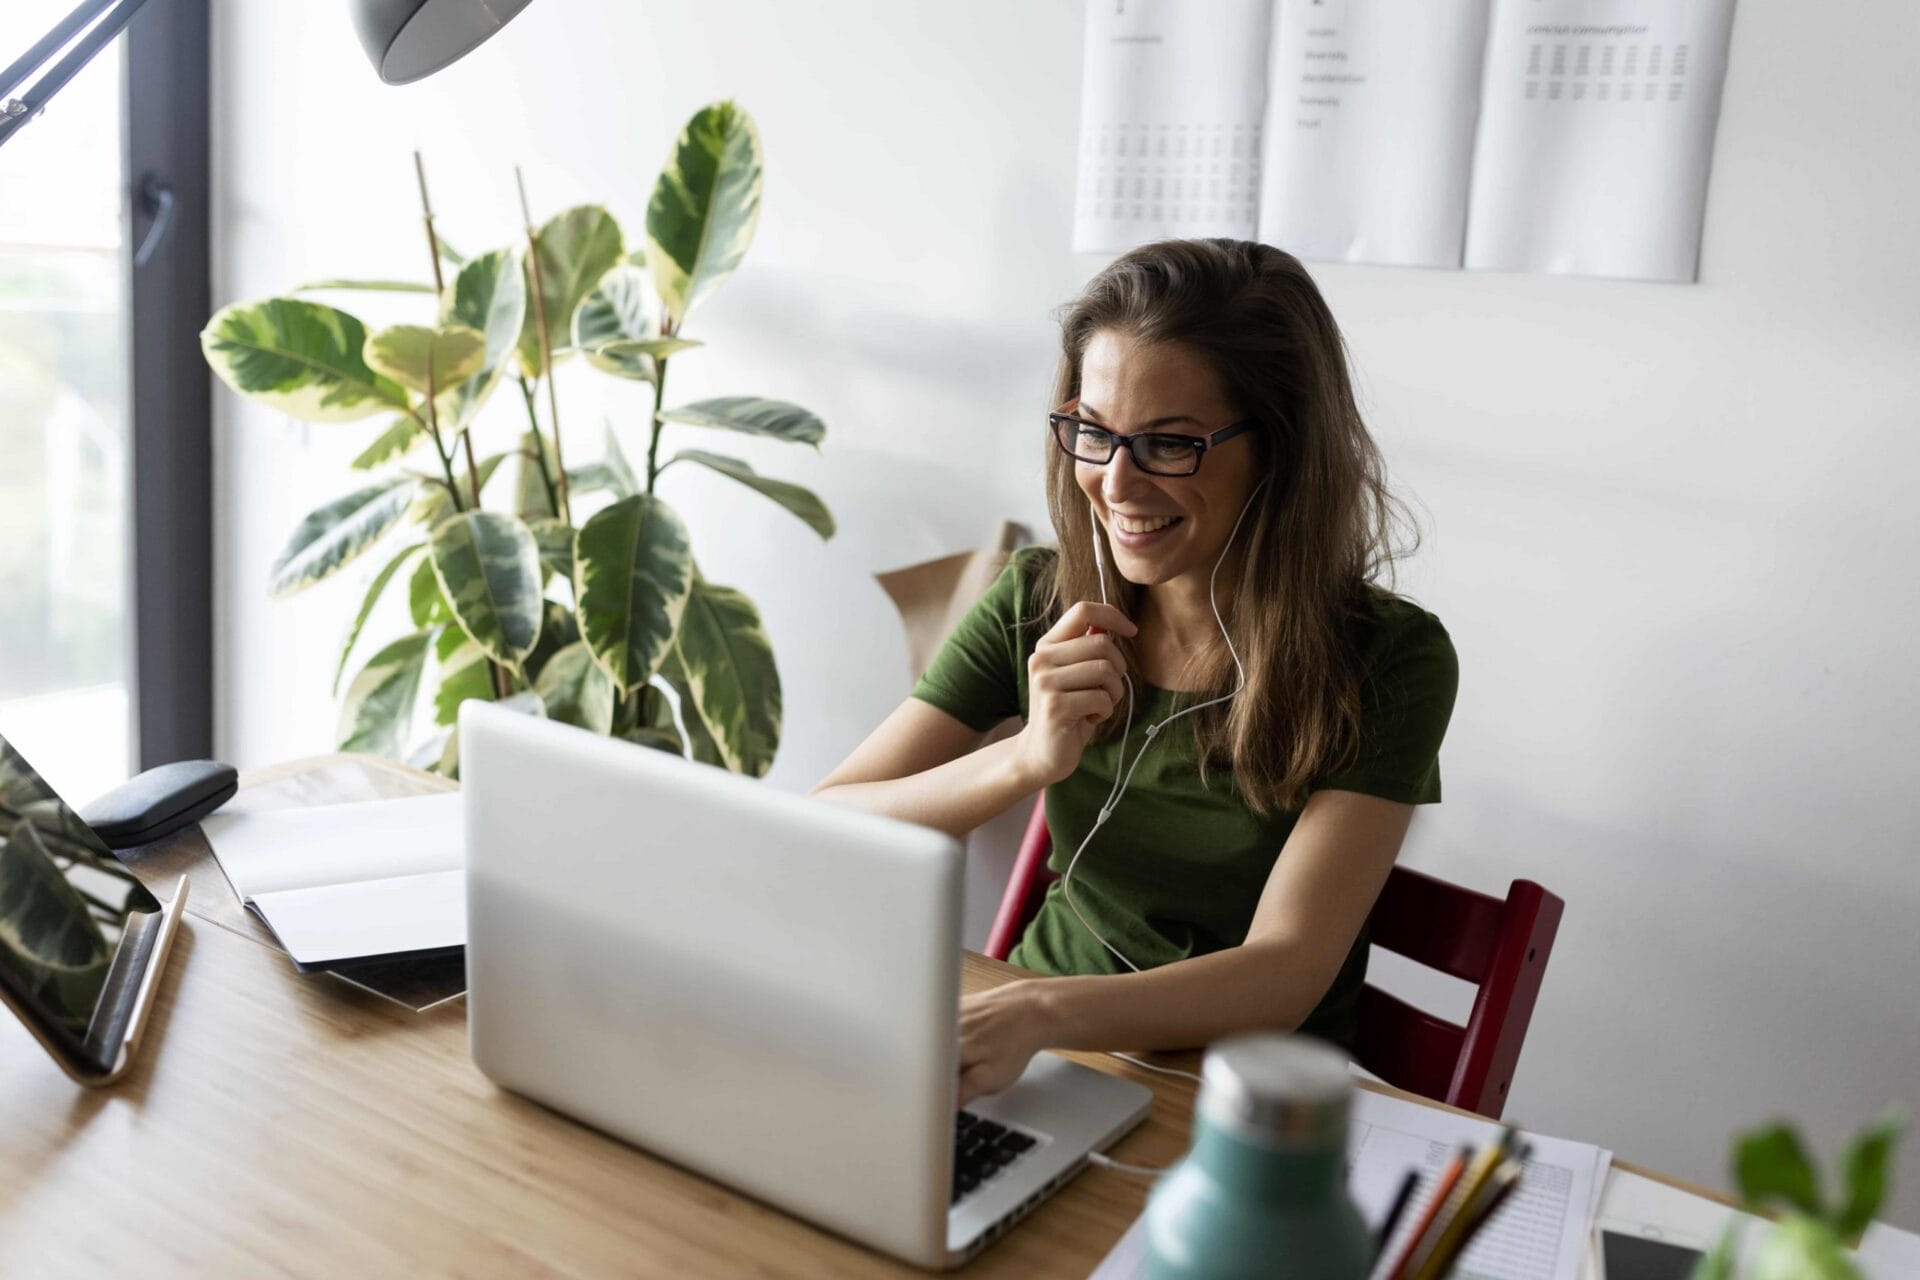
[
  {"x": 370, "y": 917},
  {"x": 283, "y": 849},
  {"x": 1539, "y": 1234},
  {"x": 1170, "y": 101},
  {"x": 1596, "y": 136},
  {"x": 1371, "y": 107}
]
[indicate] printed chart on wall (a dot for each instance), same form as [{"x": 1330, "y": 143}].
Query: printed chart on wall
[
  {"x": 1170, "y": 109},
  {"x": 1596, "y": 135},
  {"x": 1563, "y": 136}
]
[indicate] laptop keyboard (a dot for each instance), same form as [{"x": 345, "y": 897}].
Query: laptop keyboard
[{"x": 981, "y": 1149}]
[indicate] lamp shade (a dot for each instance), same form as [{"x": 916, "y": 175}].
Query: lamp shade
[{"x": 409, "y": 39}]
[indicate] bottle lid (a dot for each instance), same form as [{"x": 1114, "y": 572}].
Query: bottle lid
[{"x": 1282, "y": 1090}]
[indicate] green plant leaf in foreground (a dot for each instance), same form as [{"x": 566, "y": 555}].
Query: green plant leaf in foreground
[
  {"x": 378, "y": 710},
  {"x": 576, "y": 690},
  {"x": 729, "y": 667},
  {"x": 621, "y": 308},
  {"x": 632, "y": 570},
  {"x": 577, "y": 247},
  {"x": 612, "y": 473},
  {"x": 705, "y": 206},
  {"x": 364, "y": 286},
  {"x": 700, "y": 745},
  {"x": 489, "y": 296},
  {"x": 427, "y": 360},
  {"x": 329, "y": 538},
  {"x": 374, "y": 591},
  {"x": 465, "y": 673},
  {"x": 1863, "y": 1172},
  {"x": 1771, "y": 1164},
  {"x": 392, "y": 443},
  {"x": 434, "y": 505},
  {"x": 554, "y": 537},
  {"x": 754, "y": 416},
  {"x": 489, "y": 570},
  {"x": 302, "y": 358},
  {"x": 802, "y": 502}
]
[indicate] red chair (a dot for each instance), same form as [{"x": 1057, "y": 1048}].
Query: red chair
[{"x": 1500, "y": 946}]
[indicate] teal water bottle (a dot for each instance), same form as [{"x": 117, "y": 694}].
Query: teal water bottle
[{"x": 1263, "y": 1191}]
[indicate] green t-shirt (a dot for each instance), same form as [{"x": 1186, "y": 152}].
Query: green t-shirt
[{"x": 1178, "y": 868}]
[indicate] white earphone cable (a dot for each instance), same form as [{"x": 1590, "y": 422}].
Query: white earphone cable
[{"x": 1123, "y": 776}]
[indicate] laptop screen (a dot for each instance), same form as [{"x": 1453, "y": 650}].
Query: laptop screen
[{"x": 65, "y": 902}]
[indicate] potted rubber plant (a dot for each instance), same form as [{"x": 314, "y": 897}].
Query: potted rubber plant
[{"x": 573, "y": 593}]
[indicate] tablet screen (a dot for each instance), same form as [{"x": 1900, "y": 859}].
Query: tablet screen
[{"x": 65, "y": 901}]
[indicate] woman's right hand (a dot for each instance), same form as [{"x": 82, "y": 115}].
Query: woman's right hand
[{"x": 1073, "y": 683}]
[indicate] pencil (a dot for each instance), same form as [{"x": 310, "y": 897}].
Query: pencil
[
  {"x": 1392, "y": 1220},
  {"x": 1503, "y": 1183},
  {"x": 1442, "y": 1187},
  {"x": 1464, "y": 1195}
]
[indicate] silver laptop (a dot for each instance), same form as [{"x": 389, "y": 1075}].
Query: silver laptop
[{"x": 757, "y": 985}]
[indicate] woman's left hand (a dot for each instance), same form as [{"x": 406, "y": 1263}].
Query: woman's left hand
[{"x": 1000, "y": 1031}]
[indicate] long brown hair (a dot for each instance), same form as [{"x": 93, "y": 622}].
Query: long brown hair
[{"x": 1320, "y": 530}]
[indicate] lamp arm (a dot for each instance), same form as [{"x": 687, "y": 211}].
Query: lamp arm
[{"x": 15, "y": 112}]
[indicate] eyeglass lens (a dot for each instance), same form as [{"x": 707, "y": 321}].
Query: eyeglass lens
[{"x": 1170, "y": 455}]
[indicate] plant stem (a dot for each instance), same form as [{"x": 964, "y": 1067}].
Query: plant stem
[
  {"x": 546, "y": 346},
  {"x": 653, "y": 439},
  {"x": 496, "y": 673},
  {"x": 440, "y": 293},
  {"x": 539, "y": 450}
]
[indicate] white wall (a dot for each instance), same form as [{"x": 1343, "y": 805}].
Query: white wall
[{"x": 1668, "y": 526}]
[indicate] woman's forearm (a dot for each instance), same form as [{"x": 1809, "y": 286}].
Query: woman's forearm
[
  {"x": 1183, "y": 1005},
  {"x": 954, "y": 797}
]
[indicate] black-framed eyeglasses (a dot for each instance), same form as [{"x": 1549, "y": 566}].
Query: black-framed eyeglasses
[{"x": 1160, "y": 453}]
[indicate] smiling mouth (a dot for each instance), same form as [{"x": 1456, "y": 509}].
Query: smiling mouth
[{"x": 1147, "y": 524}]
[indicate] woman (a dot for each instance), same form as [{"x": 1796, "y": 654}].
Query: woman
[{"x": 1221, "y": 516}]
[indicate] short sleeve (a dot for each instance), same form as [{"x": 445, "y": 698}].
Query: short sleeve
[
  {"x": 979, "y": 675},
  {"x": 1409, "y": 677}
]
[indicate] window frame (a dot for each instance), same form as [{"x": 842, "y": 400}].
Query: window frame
[{"x": 166, "y": 138}]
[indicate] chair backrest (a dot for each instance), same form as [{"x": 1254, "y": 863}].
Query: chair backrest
[{"x": 1501, "y": 946}]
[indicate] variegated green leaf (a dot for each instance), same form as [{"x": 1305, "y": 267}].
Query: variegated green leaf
[
  {"x": 754, "y": 416},
  {"x": 374, "y": 591},
  {"x": 434, "y": 505},
  {"x": 465, "y": 673},
  {"x": 576, "y": 690},
  {"x": 424, "y": 601},
  {"x": 392, "y": 443},
  {"x": 632, "y": 569},
  {"x": 489, "y": 571},
  {"x": 302, "y": 358},
  {"x": 490, "y": 296},
  {"x": 577, "y": 247},
  {"x": 704, "y": 207},
  {"x": 532, "y": 497},
  {"x": 558, "y": 629},
  {"x": 620, "y": 309},
  {"x": 331, "y": 536},
  {"x": 364, "y": 286},
  {"x": 700, "y": 745},
  {"x": 554, "y": 537},
  {"x": 637, "y": 358},
  {"x": 728, "y": 663},
  {"x": 801, "y": 502},
  {"x": 613, "y": 473},
  {"x": 424, "y": 359},
  {"x": 378, "y": 710}
]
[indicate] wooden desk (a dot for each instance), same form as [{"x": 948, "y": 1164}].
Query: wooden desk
[{"x": 282, "y": 1125}]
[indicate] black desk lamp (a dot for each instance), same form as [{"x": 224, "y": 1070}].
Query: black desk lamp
[{"x": 406, "y": 39}]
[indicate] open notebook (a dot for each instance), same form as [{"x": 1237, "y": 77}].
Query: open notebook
[{"x": 348, "y": 885}]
